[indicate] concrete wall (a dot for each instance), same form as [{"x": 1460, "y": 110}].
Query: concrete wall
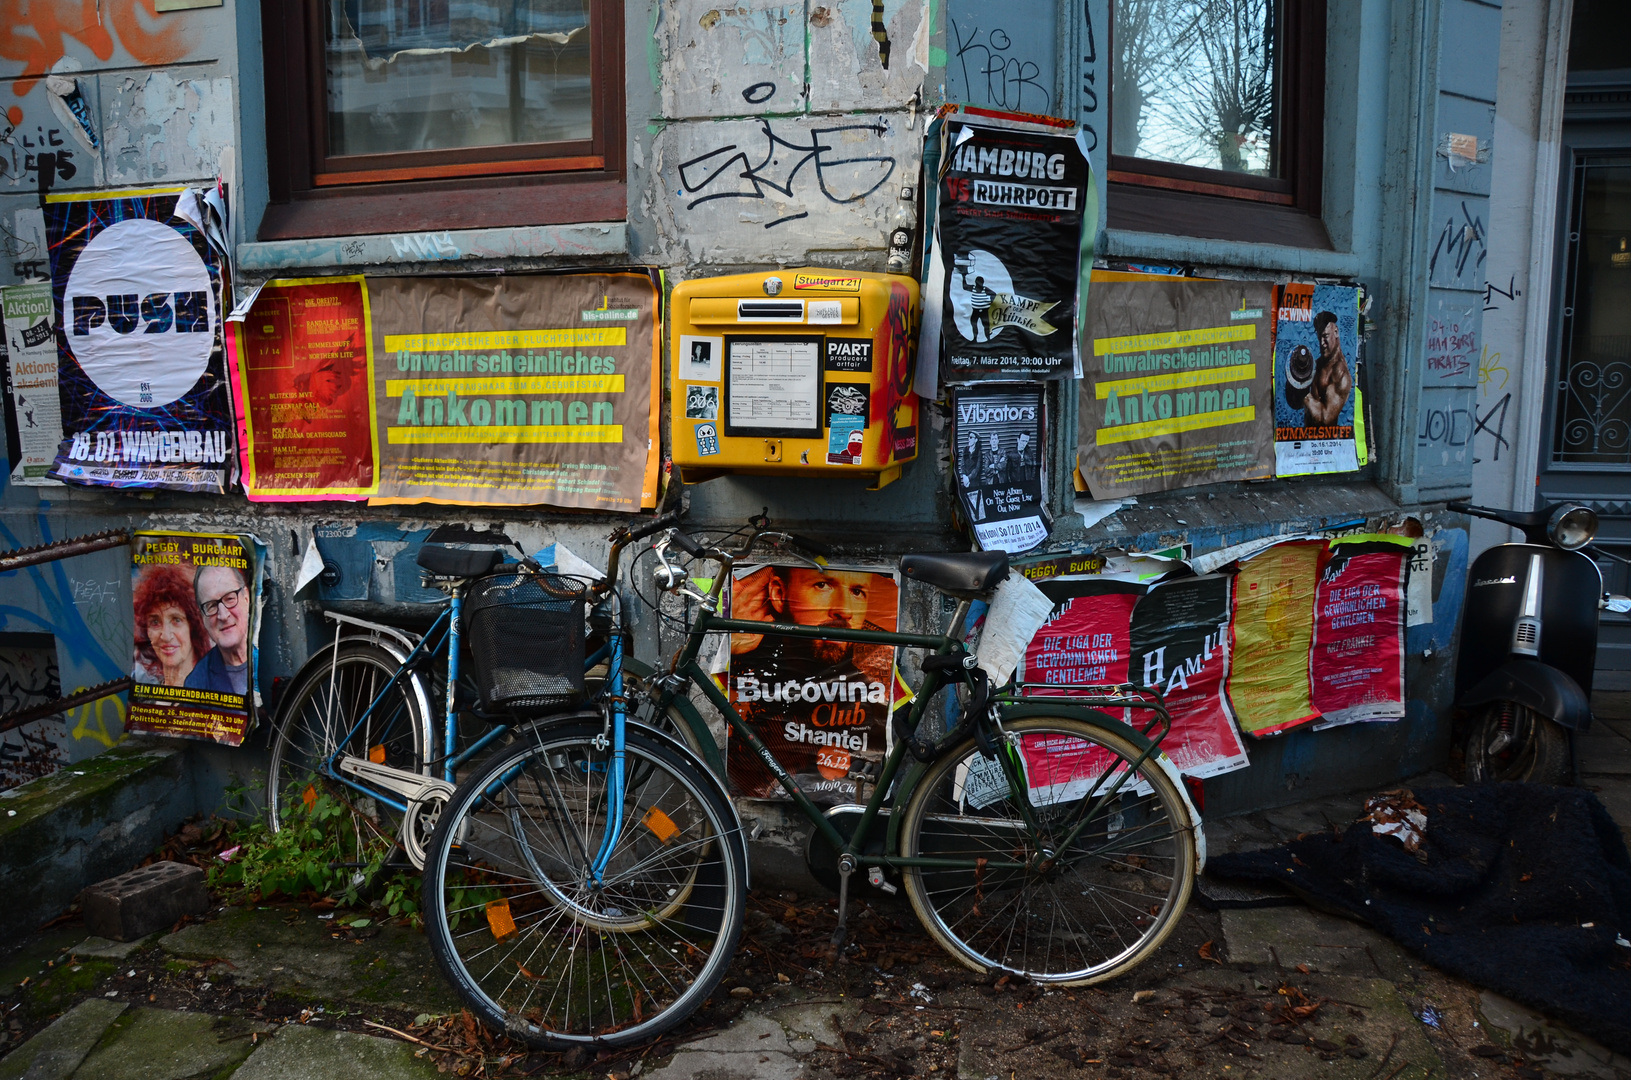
[{"x": 772, "y": 133}]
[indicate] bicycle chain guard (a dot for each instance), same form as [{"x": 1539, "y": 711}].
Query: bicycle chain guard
[{"x": 425, "y": 796}]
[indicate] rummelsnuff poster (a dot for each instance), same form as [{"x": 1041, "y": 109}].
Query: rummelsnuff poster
[
  {"x": 1011, "y": 257},
  {"x": 141, "y": 369},
  {"x": 1178, "y": 389},
  {"x": 997, "y": 433},
  {"x": 821, "y": 706},
  {"x": 194, "y": 662},
  {"x": 518, "y": 389},
  {"x": 1316, "y": 358}
]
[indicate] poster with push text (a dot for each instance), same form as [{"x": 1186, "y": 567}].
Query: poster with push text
[
  {"x": 1011, "y": 256},
  {"x": 1180, "y": 643},
  {"x": 1357, "y": 666},
  {"x": 518, "y": 389},
  {"x": 193, "y": 664},
  {"x": 997, "y": 432},
  {"x": 33, "y": 412},
  {"x": 141, "y": 367},
  {"x": 820, "y": 706},
  {"x": 1177, "y": 390},
  {"x": 1316, "y": 359},
  {"x": 304, "y": 369},
  {"x": 1273, "y": 635}
]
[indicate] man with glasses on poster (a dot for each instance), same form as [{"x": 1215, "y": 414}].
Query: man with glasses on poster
[{"x": 223, "y": 596}]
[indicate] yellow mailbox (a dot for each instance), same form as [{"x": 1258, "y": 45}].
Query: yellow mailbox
[{"x": 794, "y": 372}]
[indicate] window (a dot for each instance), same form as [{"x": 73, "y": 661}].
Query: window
[
  {"x": 1221, "y": 100},
  {"x": 458, "y": 107}
]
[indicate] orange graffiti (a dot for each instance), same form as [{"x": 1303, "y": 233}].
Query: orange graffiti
[{"x": 32, "y": 31}]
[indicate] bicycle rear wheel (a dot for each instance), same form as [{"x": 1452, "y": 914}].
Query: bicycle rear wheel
[
  {"x": 538, "y": 949},
  {"x": 1098, "y": 907},
  {"x": 318, "y": 714}
]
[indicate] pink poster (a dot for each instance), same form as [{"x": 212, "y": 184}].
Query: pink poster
[
  {"x": 1359, "y": 620},
  {"x": 1087, "y": 639}
]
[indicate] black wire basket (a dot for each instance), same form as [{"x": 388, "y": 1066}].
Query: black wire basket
[{"x": 526, "y": 635}]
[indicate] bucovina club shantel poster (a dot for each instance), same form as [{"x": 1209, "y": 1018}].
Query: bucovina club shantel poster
[{"x": 145, "y": 401}]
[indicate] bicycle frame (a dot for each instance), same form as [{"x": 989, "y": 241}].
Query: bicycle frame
[{"x": 685, "y": 669}]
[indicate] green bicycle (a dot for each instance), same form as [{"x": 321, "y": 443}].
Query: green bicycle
[{"x": 1038, "y": 837}]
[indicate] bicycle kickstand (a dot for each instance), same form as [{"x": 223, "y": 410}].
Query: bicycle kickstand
[{"x": 846, "y": 867}]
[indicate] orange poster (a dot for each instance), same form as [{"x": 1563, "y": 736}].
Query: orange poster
[{"x": 1273, "y": 636}]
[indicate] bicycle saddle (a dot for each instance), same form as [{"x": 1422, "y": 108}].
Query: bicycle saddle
[
  {"x": 444, "y": 561},
  {"x": 958, "y": 573}
]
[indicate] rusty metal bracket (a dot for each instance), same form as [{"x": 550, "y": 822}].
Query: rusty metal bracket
[
  {"x": 62, "y": 549},
  {"x": 51, "y": 708}
]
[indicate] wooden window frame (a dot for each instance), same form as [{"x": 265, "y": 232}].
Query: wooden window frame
[
  {"x": 1157, "y": 196},
  {"x": 313, "y": 194}
]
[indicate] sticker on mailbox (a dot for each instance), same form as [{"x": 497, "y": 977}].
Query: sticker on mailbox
[
  {"x": 849, "y": 354},
  {"x": 707, "y": 440},
  {"x": 824, "y": 312}
]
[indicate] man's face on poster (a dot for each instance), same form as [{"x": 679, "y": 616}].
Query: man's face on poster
[
  {"x": 224, "y": 598},
  {"x": 327, "y": 385},
  {"x": 823, "y": 598},
  {"x": 1330, "y": 340}
]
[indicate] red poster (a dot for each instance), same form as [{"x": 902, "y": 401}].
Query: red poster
[
  {"x": 1087, "y": 639},
  {"x": 305, "y": 372},
  {"x": 1359, "y": 619}
]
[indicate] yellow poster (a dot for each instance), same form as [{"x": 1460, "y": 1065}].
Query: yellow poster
[{"x": 1273, "y": 637}]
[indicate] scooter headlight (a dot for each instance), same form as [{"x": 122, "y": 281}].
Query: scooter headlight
[{"x": 1572, "y": 527}]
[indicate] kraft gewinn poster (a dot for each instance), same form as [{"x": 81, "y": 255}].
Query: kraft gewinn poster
[
  {"x": 1011, "y": 257},
  {"x": 196, "y": 620},
  {"x": 518, "y": 389},
  {"x": 33, "y": 410},
  {"x": 1178, "y": 388},
  {"x": 303, "y": 366},
  {"x": 1316, "y": 367},
  {"x": 141, "y": 368},
  {"x": 822, "y": 707}
]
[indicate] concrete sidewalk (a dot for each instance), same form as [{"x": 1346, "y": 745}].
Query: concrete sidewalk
[{"x": 279, "y": 991}]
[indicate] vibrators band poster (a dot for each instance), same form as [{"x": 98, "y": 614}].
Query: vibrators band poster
[
  {"x": 822, "y": 707},
  {"x": 142, "y": 376},
  {"x": 1357, "y": 665},
  {"x": 997, "y": 432},
  {"x": 1318, "y": 413},
  {"x": 196, "y": 614},
  {"x": 1178, "y": 386},
  {"x": 33, "y": 412},
  {"x": 303, "y": 364},
  {"x": 1010, "y": 249},
  {"x": 517, "y": 389}
]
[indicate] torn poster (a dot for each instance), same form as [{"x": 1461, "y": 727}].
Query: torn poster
[
  {"x": 997, "y": 434},
  {"x": 1357, "y": 668},
  {"x": 1273, "y": 636},
  {"x": 145, "y": 401},
  {"x": 33, "y": 410}
]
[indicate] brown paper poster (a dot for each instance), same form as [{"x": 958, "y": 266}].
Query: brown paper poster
[
  {"x": 1273, "y": 635},
  {"x": 518, "y": 389},
  {"x": 1179, "y": 388}
]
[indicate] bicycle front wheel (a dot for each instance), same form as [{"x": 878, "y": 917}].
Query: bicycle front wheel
[
  {"x": 1029, "y": 898},
  {"x": 539, "y": 946}
]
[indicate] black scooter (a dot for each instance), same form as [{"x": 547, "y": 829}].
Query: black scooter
[{"x": 1529, "y": 645}]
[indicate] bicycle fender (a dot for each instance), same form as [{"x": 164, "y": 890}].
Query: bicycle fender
[
  {"x": 396, "y": 652},
  {"x": 693, "y": 718},
  {"x": 1093, "y": 718}
]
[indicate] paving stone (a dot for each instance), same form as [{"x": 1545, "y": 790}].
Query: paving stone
[
  {"x": 1603, "y": 752},
  {"x": 159, "y": 1044},
  {"x": 104, "y": 949},
  {"x": 142, "y": 901},
  {"x": 301, "y": 959},
  {"x": 299, "y": 1052},
  {"x": 1324, "y": 943},
  {"x": 1550, "y": 1045},
  {"x": 56, "y": 1052},
  {"x": 815, "y": 1023},
  {"x": 753, "y": 1048}
]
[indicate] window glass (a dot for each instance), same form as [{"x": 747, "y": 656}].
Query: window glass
[
  {"x": 1195, "y": 83},
  {"x": 409, "y": 75}
]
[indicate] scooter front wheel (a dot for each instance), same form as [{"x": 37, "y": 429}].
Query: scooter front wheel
[{"x": 1510, "y": 741}]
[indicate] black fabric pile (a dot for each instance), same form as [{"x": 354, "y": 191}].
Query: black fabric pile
[{"x": 1524, "y": 890}]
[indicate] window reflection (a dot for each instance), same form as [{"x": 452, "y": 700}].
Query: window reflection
[
  {"x": 1195, "y": 83},
  {"x": 407, "y": 75}
]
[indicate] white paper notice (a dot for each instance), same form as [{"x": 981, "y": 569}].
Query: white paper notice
[
  {"x": 775, "y": 385},
  {"x": 1419, "y": 592},
  {"x": 31, "y": 381}
]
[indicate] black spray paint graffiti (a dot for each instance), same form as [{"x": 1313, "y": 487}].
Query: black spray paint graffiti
[
  {"x": 728, "y": 172},
  {"x": 1492, "y": 291},
  {"x": 1445, "y": 427},
  {"x": 1090, "y": 89},
  {"x": 1460, "y": 241},
  {"x": 1493, "y": 424},
  {"x": 1002, "y": 79},
  {"x": 28, "y": 677}
]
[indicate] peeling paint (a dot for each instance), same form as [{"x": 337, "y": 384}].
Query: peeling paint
[{"x": 162, "y": 129}]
